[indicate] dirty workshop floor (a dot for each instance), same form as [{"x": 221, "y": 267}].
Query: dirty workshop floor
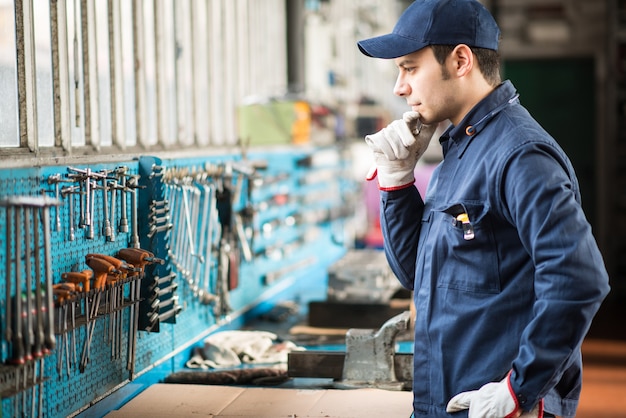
[{"x": 603, "y": 396}]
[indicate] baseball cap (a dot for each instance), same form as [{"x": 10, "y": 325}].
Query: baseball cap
[{"x": 436, "y": 22}]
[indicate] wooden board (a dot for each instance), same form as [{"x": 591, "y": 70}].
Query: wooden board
[{"x": 171, "y": 400}]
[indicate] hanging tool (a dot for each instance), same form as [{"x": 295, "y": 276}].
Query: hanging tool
[
  {"x": 9, "y": 274},
  {"x": 229, "y": 250},
  {"x": 28, "y": 294},
  {"x": 101, "y": 269},
  {"x": 71, "y": 191},
  {"x": 133, "y": 185},
  {"x": 122, "y": 173},
  {"x": 107, "y": 230},
  {"x": 56, "y": 179},
  {"x": 113, "y": 291},
  {"x": 113, "y": 186},
  {"x": 138, "y": 258},
  {"x": 122, "y": 266},
  {"x": 40, "y": 294},
  {"x": 49, "y": 340},
  {"x": 82, "y": 279},
  {"x": 17, "y": 343}
]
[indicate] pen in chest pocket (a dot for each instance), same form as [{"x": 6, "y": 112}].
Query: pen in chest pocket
[{"x": 468, "y": 229}]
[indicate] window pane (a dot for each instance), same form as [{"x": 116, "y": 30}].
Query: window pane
[
  {"x": 74, "y": 50},
  {"x": 9, "y": 136},
  {"x": 128, "y": 71},
  {"x": 43, "y": 60},
  {"x": 103, "y": 70}
]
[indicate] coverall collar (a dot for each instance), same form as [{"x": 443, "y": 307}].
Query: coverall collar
[{"x": 477, "y": 118}]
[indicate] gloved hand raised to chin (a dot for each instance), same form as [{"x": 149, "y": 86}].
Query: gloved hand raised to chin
[
  {"x": 396, "y": 149},
  {"x": 493, "y": 400}
]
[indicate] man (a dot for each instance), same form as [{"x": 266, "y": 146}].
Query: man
[{"x": 505, "y": 271}]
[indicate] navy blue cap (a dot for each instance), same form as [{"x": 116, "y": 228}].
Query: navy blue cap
[{"x": 436, "y": 22}]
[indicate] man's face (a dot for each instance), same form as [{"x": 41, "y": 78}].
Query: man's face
[{"x": 426, "y": 86}]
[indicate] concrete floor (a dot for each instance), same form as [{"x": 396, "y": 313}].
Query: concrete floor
[{"x": 603, "y": 396}]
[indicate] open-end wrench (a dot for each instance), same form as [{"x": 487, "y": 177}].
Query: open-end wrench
[
  {"x": 159, "y": 220},
  {"x": 159, "y": 204},
  {"x": 154, "y": 211},
  {"x": 170, "y": 313},
  {"x": 168, "y": 302},
  {"x": 163, "y": 317},
  {"x": 158, "y": 292},
  {"x": 158, "y": 281},
  {"x": 161, "y": 228}
]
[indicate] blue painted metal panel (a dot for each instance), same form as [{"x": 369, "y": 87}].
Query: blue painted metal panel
[{"x": 298, "y": 273}]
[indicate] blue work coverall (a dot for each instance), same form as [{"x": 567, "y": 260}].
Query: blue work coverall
[{"x": 505, "y": 270}]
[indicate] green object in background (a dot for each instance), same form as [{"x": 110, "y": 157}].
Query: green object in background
[
  {"x": 268, "y": 123},
  {"x": 560, "y": 94}
]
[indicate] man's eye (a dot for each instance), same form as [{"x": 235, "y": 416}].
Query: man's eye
[{"x": 409, "y": 69}]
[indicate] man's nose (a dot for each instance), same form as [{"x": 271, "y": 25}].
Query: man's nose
[{"x": 401, "y": 88}]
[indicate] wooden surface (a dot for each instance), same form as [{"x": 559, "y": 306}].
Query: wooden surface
[
  {"x": 603, "y": 396},
  {"x": 172, "y": 400}
]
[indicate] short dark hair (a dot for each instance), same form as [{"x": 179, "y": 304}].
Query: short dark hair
[{"x": 488, "y": 61}]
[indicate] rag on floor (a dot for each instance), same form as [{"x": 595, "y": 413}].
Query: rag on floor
[{"x": 232, "y": 348}]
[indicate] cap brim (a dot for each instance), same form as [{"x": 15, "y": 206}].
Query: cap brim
[{"x": 389, "y": 46}]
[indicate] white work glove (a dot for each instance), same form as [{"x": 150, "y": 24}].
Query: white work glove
[
  {"x": 493, "y": 400},
  {"x": 396, "y": 150}
]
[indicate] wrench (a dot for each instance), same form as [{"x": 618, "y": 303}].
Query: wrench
[{"x": 161, "y": 228}]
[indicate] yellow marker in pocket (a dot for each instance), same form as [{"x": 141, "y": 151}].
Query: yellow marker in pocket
[{"x": 468, "y": 229}]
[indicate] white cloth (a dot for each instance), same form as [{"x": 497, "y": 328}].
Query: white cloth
[{"x": 232, "y": 348}]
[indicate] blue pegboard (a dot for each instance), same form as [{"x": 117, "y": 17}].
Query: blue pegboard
[{"x": 308, "y": 249}]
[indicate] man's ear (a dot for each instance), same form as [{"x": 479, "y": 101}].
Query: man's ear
[{"x": 462, "y": 60}]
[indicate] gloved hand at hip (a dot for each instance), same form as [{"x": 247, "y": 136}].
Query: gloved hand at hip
[
  {"x": 396, "y": 150},
  {"x": 493, "y": 400}
]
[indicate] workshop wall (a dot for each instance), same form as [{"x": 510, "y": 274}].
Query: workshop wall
[{"x": 211, "y": 235}]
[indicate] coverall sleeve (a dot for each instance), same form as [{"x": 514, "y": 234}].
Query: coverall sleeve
[
  {"x": 570, "y": 279},
  {"x": 400, "y": 220}
]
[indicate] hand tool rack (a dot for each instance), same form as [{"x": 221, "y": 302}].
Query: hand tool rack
[{"x": 289, "y": 218}]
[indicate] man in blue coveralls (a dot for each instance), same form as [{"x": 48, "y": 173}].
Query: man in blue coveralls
[{"x": 506, "y": 273}]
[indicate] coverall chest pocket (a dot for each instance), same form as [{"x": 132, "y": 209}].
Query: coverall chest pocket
[{"x": 465, "y": 252}]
